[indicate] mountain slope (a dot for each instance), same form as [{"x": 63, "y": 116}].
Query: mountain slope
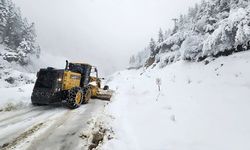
[
  {"x": 198, "y": 107},
  {"x": 212, "y": 28},
  {"x": 19, "y": 50},
  {"x": 182, "y": 92}
]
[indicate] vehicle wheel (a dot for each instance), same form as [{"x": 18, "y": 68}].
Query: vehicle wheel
[
  {"x": 105, "y": 87},
  {"x": 74, "y": 98},
  {"x": 87, "y": 96}
]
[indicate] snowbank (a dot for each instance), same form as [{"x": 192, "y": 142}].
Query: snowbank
[
  {"x": 15, "y": 97},
  {"x": 199, "y": 107},
  {"x": 16, "y": 81}
]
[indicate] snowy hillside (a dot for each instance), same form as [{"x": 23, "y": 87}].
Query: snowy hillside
[
  {"x": 199, "y": 106},
  {"x": 16, "y": 82},
  {"x": 13, "y": 74},
  {"x": 212, "y": 28},
  {"x": 190, "y": 89},
  {"x": 19, "y": 50}
]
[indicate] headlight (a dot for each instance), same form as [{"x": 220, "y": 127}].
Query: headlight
[{"x": 59, "y": 79}]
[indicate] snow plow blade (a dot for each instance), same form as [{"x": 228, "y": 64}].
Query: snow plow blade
[{"x": 104, "y": 94}]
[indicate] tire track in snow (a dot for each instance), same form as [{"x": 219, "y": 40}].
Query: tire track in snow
[
  {"x": 22, "y": 136},
  {"x": 57, "y": 124},
  {"x": 64, "y": 133},
  {"x": 19, "y": 118},
  {"x": 17, "y": 114},
  {"x": 59, "y": 129},
  {"x": 12, "y": 130}
]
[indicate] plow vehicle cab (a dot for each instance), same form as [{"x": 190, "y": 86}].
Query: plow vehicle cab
[{"x": 71, "y": 86}]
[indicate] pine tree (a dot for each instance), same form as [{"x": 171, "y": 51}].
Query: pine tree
[
  {"x": 175, "y": 25},
  {"x": 152, "y": 46},
  {"x": 132, "y": 60},
  {"x": 243, "y": 3},
  {"x": 181, "y": 20},
  {"x": 233, "y": 3},
  {"x": 12, "y": 36},
  {"x": 167, "y": 34},
  {"x": 30, "y": 36},
  {"x": 3, "y": 18},
  {"x": 16, "y": 33},
  {"x": 224, "y": 5},
  {"x": 160, "y": 36},
  {"x": 192, "y": 12}
]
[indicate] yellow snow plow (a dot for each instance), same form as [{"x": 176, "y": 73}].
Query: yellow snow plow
[{"x": 72, "y": 86}]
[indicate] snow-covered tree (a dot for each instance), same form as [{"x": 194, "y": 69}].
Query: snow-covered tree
[
  {"x": 224, "y": 5},
  {"x": 132, "y": 59},
  {"x": 167, "y": 34},
  {"x": 152, "y": 46},
  {"x": 176, "y": 27},
  {"x": 16, "y": 33},
  {"x": 210, "y": 29},
  {"x": 3, "y": 18},
  {"x": 160, "y": 36},
  {"x": 138, "y": 60}
]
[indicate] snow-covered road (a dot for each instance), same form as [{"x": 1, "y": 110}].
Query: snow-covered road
[{"x": 46, "y": 127}]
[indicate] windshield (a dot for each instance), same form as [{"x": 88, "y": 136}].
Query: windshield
[
  {"x": 46, "y": 79},
  {"x": 84, "y": 70},
  {"x": 80, "y": 68}
]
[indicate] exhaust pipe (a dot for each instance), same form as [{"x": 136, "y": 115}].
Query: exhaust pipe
[{"x": 67, "y": 65}]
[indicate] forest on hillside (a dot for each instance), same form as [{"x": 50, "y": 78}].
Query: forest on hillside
[
  {"x": 210, "y": 29},
  {"x": 17, "y": 35}
]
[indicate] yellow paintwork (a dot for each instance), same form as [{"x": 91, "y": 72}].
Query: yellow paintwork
[
  {"x": 94, "y": 90},
  {"x": 71, "y": 79},
  {"x": 92, "y": 79},
  {"x": 78, "y": 97}
]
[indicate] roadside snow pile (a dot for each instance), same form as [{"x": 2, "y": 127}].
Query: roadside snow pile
[
  {"x": 13, "y": 78},
  {"x": 13, "y": 74},
  {"x": 99, "y": 131},
  {"x": 15, "y": 97},
  {"x": 10, "y": 77},
  {"x": 16, "y": 82},
  {"x": 183, "y": 106}
]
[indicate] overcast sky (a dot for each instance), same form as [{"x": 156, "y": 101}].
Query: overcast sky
[{"x": 104, "y": 33}]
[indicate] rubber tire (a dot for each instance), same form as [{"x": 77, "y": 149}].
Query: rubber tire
[
  {"x": 105, "y": 87},
  {"x": 87, "y": 96},
  {"x": 70, "y": 100}
]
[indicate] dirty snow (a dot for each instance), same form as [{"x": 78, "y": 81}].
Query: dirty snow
[{"x": 24, "y": 126}]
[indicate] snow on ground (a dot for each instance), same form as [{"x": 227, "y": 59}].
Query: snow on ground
[
  {"x": 28, "y": 127},
  {"x": 15, "y": 97},
  {"x": 199, "y": 107},
  {"x": 24, "y": 126}
]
